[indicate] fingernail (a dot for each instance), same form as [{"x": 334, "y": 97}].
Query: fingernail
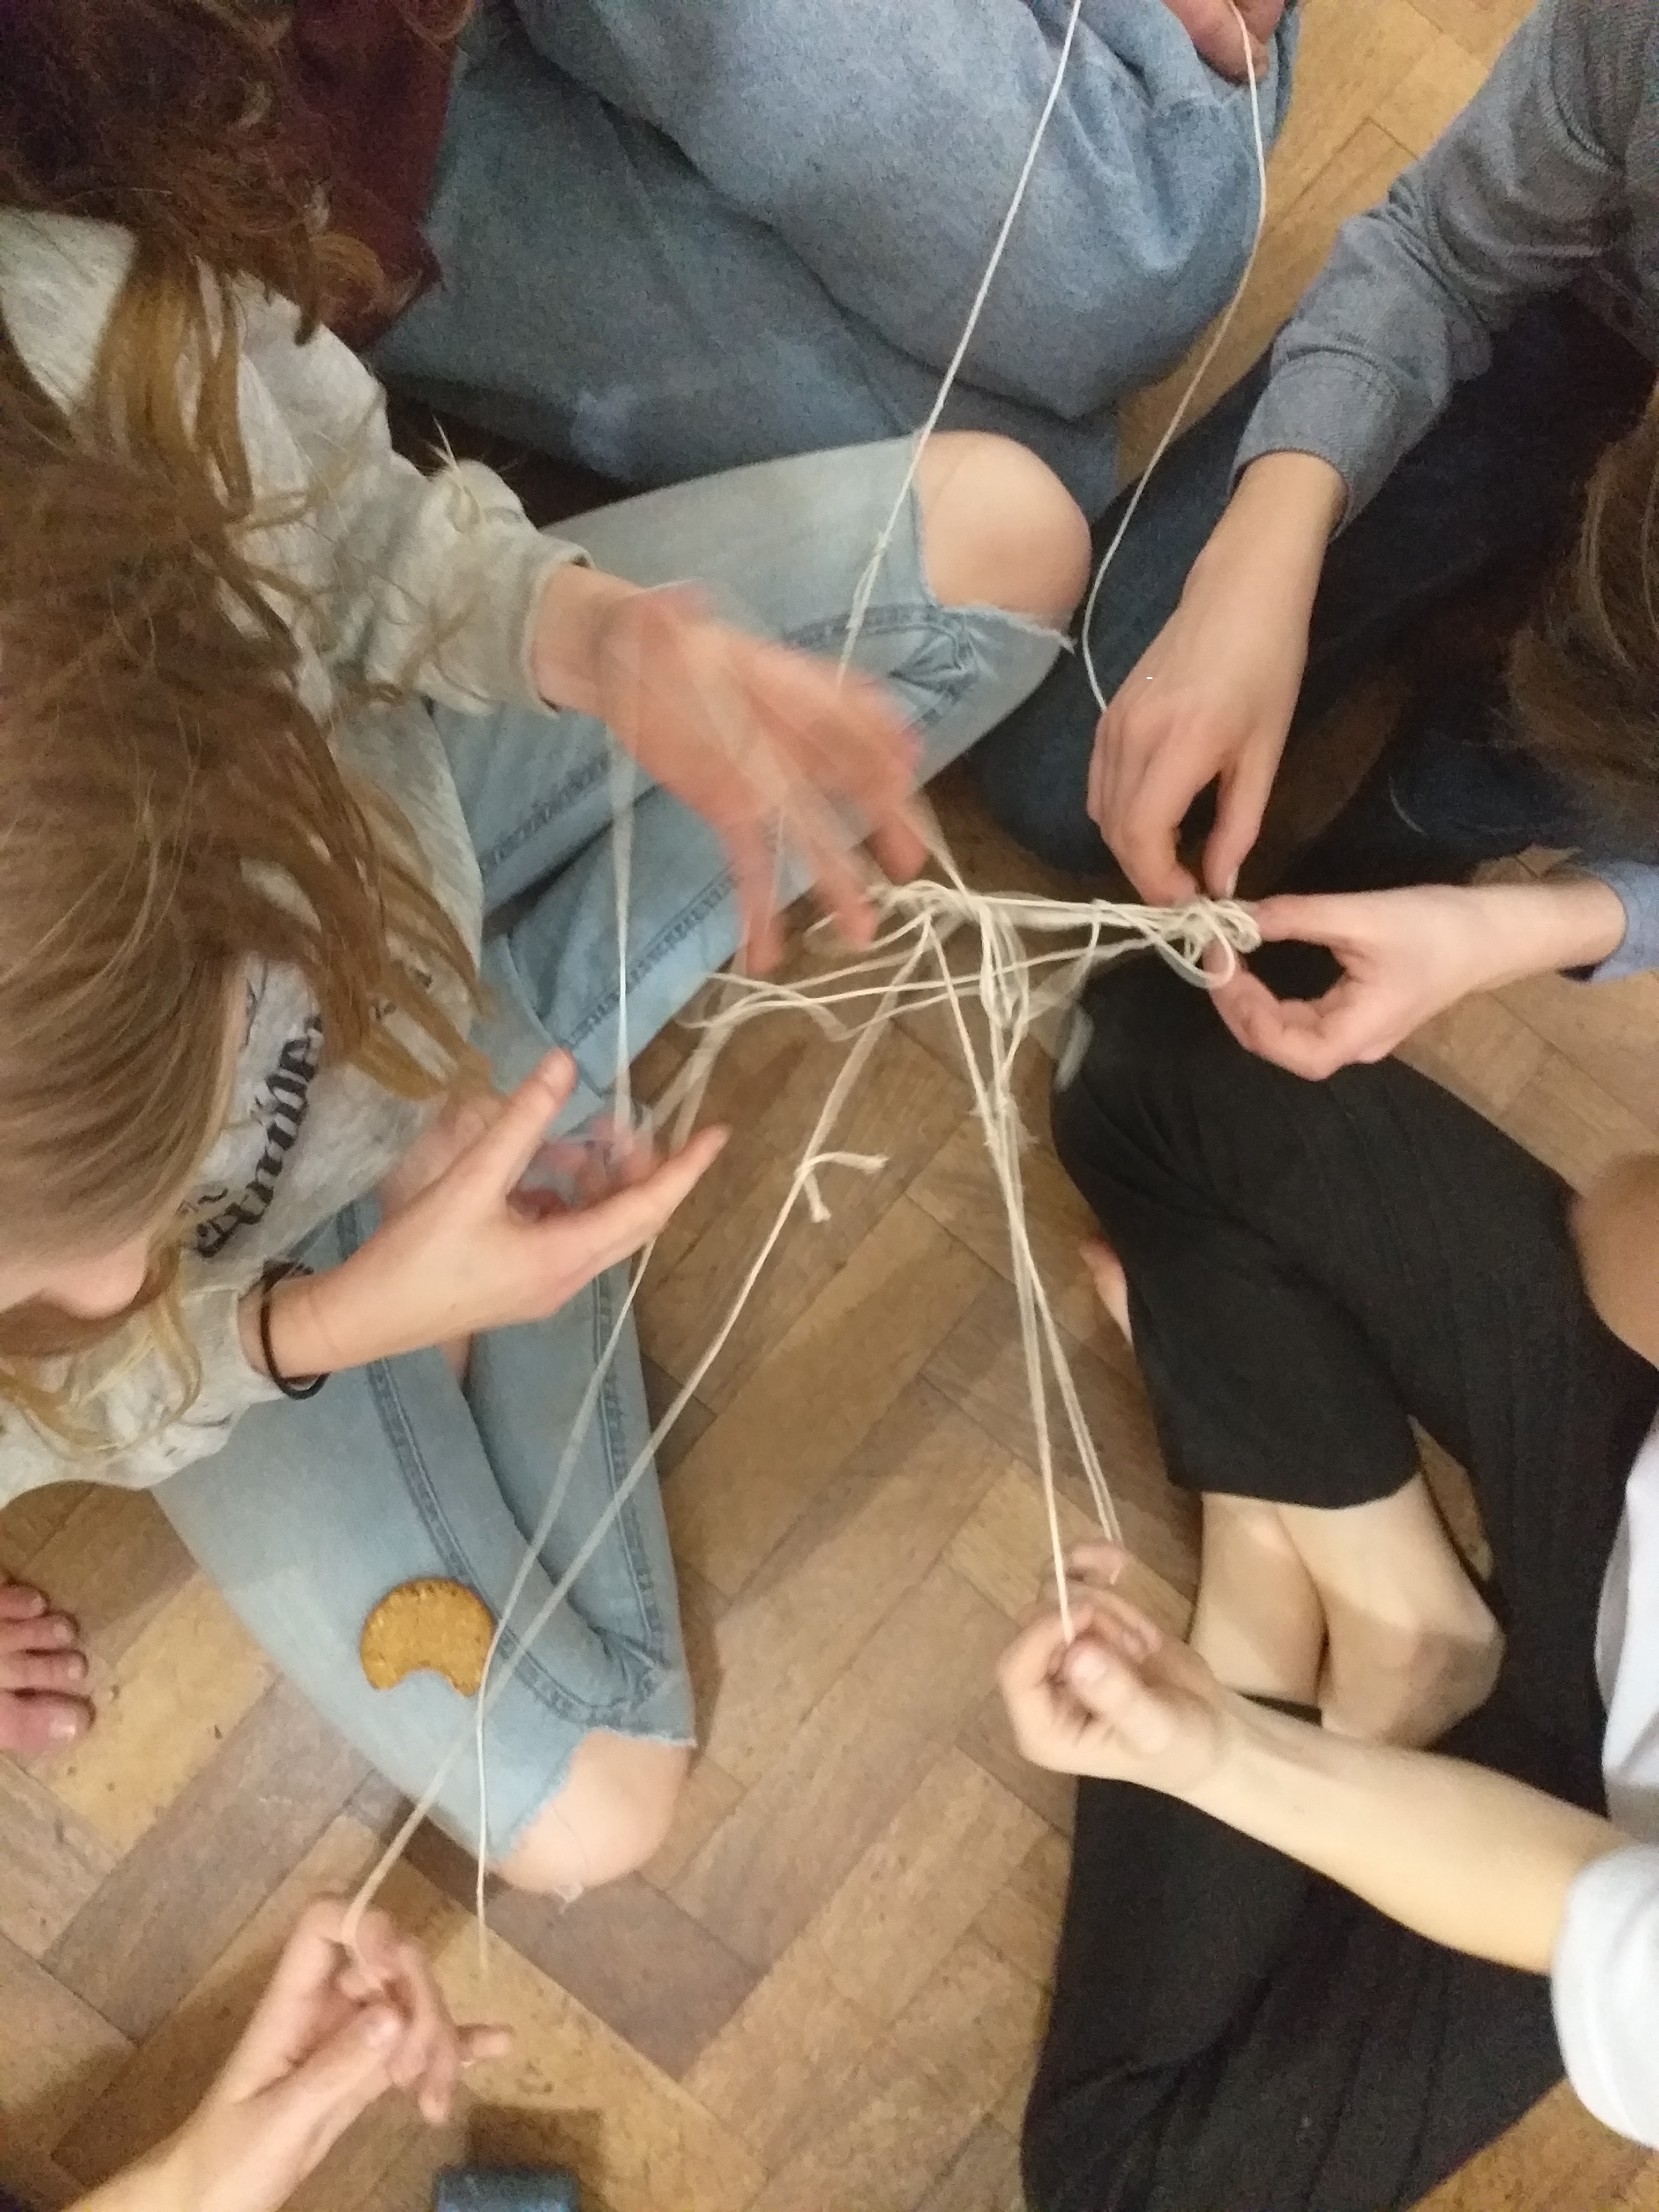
[
  {"x": 65, "y": 1727},
  {"x": 382, "y": 2031},
  {"x": 1087, "y": 1664}
]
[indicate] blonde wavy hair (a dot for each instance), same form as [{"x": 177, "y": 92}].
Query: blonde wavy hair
[{"x": 158, "y": 771}]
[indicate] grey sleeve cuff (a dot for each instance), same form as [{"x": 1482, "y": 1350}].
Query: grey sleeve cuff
[
  {"x": 1635, "y": 884},
  {"x": 1604, "y": 1985},
  {"x": 1339, "y": 408}
]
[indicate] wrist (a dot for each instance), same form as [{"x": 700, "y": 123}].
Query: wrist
[
  {"x": 1281, "y": 515},
  {"x": 1541, "y": 928},
  {"x": 565, "y": 649},
  {"x": 303, "y": 1327}
]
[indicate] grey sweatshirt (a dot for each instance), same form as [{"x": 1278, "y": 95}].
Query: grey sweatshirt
[
  {"x": 1552, "y": 166},
  {"x": 401, "y": 560}
]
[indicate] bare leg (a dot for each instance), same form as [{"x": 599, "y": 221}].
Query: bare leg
[
  {"x": 42, "y": 1671},
  {"x": 1413, "y": 1645},
  {"x": 611, "y": 1816},
  {"x": 1258, "y": 1620},
  {"x": 999, "y": 529}
]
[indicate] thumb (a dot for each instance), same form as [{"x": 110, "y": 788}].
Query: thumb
[
  {"x": 498, "y": 1158},
  {"x": 1324, "y": 918},
  {"x": 341, "y": 2080}
]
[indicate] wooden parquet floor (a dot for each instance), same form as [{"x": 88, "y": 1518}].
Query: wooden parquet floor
[{"x": 825, "y": 1995}]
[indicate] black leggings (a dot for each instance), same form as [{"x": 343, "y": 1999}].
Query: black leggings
[{"x": 1311, "y": 1267}]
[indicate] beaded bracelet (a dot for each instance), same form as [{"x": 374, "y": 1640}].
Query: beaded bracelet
[{"x": 282, "y": 1271}]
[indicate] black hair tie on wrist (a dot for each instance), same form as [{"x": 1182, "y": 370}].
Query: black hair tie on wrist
[{"x": 282, "y": 1271}]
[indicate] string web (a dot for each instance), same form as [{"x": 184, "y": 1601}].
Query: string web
[{"x": 1024, "y": 956}]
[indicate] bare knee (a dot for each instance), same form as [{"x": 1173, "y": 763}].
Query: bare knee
[
  {"x": 999, "y": 529},
  {"x": 611, "y": 1816}
]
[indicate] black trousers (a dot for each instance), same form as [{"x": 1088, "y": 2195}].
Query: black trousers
[{"x": 1312, "y": 1267}]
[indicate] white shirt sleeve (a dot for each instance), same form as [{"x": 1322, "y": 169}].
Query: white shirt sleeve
[{"x": 1605, "y": 1984}]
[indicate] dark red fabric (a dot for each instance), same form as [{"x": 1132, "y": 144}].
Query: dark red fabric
[{"x": 371, "y": 88}]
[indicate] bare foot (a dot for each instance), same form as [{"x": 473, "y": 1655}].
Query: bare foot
[
  {"x": 42, "y": 1671},
  {"x": 1411, "y": 1644},
  {"x": 1111, "y": 1284}
]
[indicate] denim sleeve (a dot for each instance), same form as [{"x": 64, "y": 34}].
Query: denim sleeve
[
  {"x": 882, "y": 141},
  {"x": 1526, "y": 187},
  {"x": 1637, "y": 885}
]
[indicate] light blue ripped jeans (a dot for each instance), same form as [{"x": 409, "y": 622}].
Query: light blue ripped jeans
[
  {"x": 679, "y": 235},
  {"x": 314, "y": 1510}
]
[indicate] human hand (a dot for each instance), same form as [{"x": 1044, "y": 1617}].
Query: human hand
[
  {"x": 334, "y": 2032},
  {"x": 1212, "y": 696},
  {"x": 1406, "y": 956},
  {"x": 42, "y": 1671},
  {"x": 478, "y": 1247},
  {"x": 1122, "y": 1701},
  {"x": 1213, "y": 27},
  {"x": 763, "y": 742}
]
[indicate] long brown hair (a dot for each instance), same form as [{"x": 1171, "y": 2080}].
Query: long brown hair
[
  {"x": 1583, "y": 673},
  {"x": 169, "y": 808}
]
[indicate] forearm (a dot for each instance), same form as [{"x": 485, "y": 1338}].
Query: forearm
[
  {"x": 1541, "y": 928},
  {"x": 151, "y": 2186},
  {"x": 1270, "y": 541},
  {"x": 1465, "y": 1856}
]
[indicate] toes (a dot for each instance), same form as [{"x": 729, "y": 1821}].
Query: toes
[
  {"x": 45, "y": 1631},
  {"x": 41, "y": 1723},
  {"x": 35, "y": 1670}
]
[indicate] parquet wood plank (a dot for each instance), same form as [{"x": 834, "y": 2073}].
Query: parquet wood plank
[
  {"x": 1022, "y": 1921},
  {"x": 1442, "y": 81},
  {"x": 876, "y": 1531},
  {"x": 900, "y": 1111},
  {"x": 1353, "y": 61},
  {"x": 1481, "y": 27},
  {"x": 112, "y": 1564},
  {"x": 983, "y": 2177},
  {"x": 56, "y": 2052},
  {"x": 167, "y": 2072},
  {"x": 851, "y": 1765},
  {"x": 708, "y": 1799},
  {"x": 878, "y": 2138},
  {"x": 51, "y": 1862},
  {"x": 231, "y": 1835},
  {"x": 163, "y": 1710},
  {"x": 27, "y": 1523},
  {"x": 958, "y": 1188},
  {"x": 33, "y": 2178},
  {"x": 974, "y": 2023},
  {"x": 794, "y": 2042},
  {"x": 988, "y": 1740},
  {"x": 626, "y": 1952},
  {"x": 979, "y": 1367},
  {"x": 920, "y": 1886},
  {"x": 878, "y": 1319},
  {"x": 644, "y": 2140}
]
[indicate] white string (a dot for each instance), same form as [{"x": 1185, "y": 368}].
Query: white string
[
  {"x": 865, "y": 589},
  {"x": 925, "y": 915},
  {"x": 1217, "y": 338}
]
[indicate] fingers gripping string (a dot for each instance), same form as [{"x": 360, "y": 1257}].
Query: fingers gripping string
[{"x": 908, "y": 969}]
